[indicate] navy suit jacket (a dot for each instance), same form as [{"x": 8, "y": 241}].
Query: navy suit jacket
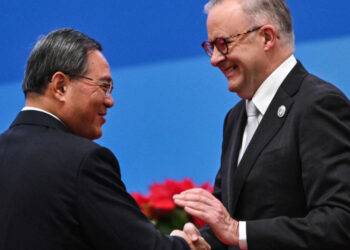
[
  {"x": 59, "y": 191},
  {"x": 292, "y": 185}
]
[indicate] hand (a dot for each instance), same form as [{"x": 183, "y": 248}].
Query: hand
[
  {"x": 203, "y": 205},
  {"x": 194, "y": 239}
]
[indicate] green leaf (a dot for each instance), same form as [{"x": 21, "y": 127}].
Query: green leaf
[{"x": 176, "y": 219}]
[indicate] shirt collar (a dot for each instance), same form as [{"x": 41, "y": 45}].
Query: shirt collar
[
  {"x": 265, "y": 93},
  {"x": 40, "y": 110}
]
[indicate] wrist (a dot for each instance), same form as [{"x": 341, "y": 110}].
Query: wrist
[{"x": 234, "y": 233}]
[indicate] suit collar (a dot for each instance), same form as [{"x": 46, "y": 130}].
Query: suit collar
[
  {"x": 268, "y": 128},
  {"x": 32, "y": 117},
  {"x": 26, "y": 108},
  {"x": 293, "y": 81},
  {"x": 268, "y": 89}
]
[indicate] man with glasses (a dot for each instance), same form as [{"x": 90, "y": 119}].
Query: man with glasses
[
  {"x": 285, "y": 164},
  {"x": 58, "y": 189}
]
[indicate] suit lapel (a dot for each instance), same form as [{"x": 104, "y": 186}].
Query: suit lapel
[
  {"x": 268, "y": 128},
  {"x": 236, "y": 136},
  {"x": 235, "y": 140}
]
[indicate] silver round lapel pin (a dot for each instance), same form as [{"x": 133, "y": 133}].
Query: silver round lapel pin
[{"x": 281, "y": 111}]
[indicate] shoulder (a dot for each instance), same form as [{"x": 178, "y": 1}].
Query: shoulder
[
  {"x": 316, "y": 87},
  {"x": 304, "y": 87},
  {"x": 315, "y": 92},
  {"x": 87, "y": 149},
  {"x": 72, "y": 150},
  {"x": 69, "y": 143},
  {"x": 319, "y": 105}
]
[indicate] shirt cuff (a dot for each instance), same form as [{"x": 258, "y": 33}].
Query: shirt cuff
[{"x": 242, "y": 235}]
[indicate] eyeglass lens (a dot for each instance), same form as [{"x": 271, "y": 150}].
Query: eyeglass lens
[{"x": 219, "y": 43}]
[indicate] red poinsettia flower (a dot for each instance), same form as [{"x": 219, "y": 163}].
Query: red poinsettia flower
[
  {"x": 160, "y": 207},
  {"x": 162, "y": 193},
  {"x": 143, "y": 202},
  {"x": 207, "y": 187}
]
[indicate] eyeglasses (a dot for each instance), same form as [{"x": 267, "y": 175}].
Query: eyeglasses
[
  {"x": 107, "y": 86},
  {"x": 221, "y": 43}
]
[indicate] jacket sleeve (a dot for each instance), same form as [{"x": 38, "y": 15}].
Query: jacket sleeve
[
  {"x": 206, "y": 231},
  {"x": 109, "y": 216}
]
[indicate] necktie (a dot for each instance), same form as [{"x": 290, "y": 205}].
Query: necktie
[{"x": 252, "y": 124}]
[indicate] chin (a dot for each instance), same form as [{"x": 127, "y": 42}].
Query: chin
[
  {"x": 93, "y": 135},
  {"x": 233, "y": 87},
  {"x": 238, "y": 91},
  {"x": 96, "y": 136}
]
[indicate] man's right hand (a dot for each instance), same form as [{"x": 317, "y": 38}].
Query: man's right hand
[{"x": 192, "y": 237}]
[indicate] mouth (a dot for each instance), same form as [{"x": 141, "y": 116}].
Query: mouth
[
  {"x": 102, "y": 115},
  {"x": 229, "y": 72}
]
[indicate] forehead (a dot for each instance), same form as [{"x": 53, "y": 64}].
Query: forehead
[
  {"x": 97, "y": 63},
  {"x": 225, "y": 19}
]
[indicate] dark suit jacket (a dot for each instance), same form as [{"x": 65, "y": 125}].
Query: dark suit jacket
[
  {"x": 61, "y": 191},
  {"x": 292, "y": 185}
]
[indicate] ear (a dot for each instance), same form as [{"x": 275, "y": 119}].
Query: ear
[
  {"x": 58, "y": 85},
  {"x": 269, "y": 35}
]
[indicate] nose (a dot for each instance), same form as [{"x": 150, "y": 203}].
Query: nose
[
  {"x": 216, "y": 57},
  {"x": 109, "y": 101}
]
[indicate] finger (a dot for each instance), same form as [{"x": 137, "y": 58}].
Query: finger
[
  {"x": 194, "y": 204},
  {"x": 205, "y": 199},
  {"x": 192, "y": 231},
  {"x": 194, "y": 191},
  {"x": 197, "y": 191},
  {"x": 199, "y": 206},
  {"x": 180, "y": 233},
  {"x": 201, "y": 244},
  {"x": 180, "y": 202},
  {"x": 199, "y": 203}
]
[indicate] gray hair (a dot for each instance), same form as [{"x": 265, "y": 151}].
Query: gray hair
[
  {"x": 274, "y": 11},
  {"x": 62, "y": 50}
]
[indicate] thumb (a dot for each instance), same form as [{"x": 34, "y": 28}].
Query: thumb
[{"x": 192, "y": 231}]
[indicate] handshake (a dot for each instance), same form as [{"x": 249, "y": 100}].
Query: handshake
[
  {"x": 192, "y": 236},
  {"x": 203, "y": 205}
]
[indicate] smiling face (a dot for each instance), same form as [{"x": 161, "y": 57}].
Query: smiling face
[
  {"x": 86, "y": 102},
  {"x": 243, "y": 66}
]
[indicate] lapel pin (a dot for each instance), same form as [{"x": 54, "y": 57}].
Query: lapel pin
[{"x": 281, "y": 111}]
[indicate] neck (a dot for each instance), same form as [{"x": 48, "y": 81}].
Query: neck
[
  {"x": 41, "y": 102},
  {"x": 277, "y": 57}
]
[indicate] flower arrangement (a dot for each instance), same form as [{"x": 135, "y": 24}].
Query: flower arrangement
[{"x": 160, "y": 208}]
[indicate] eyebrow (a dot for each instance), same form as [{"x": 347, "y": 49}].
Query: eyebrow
[{"x": 106, "y": 78}]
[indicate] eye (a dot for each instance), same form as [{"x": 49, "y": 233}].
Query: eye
[
  {"x": 105, "y": 86},
  {"x": 211, "y": 45},
  {"x": 220, "y": 44}
]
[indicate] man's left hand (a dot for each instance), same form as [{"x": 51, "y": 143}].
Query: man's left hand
[{"x": 203, "y": 205}]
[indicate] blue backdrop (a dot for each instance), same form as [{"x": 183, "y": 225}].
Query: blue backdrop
[{"x": 169, "y": 102}]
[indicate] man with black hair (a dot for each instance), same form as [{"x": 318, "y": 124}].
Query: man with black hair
[{"x": 58, "y": 189}]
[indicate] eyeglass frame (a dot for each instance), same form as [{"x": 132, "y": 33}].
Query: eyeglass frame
[
  {"x": 103, "y": 84},
  {"x": 210, "y": 44}
]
